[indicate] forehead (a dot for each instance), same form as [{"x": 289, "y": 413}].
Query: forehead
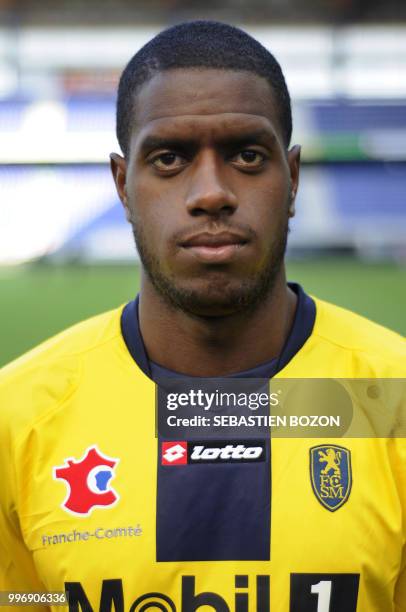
[{"x": 205, "y": 98}]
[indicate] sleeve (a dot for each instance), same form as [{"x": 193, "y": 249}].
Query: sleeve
[{"x": 17, "y": 571}]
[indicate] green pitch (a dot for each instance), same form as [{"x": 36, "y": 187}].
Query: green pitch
[{"x": 38, "y": 301}]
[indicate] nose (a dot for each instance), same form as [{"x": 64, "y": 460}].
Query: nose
[{"x": 208, "y": 193}]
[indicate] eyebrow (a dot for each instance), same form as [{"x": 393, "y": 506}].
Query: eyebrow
[{"x": 151, "y": 142}]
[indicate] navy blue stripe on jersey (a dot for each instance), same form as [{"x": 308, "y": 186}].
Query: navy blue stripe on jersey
[
  {"x": 216, "y": 512},
  {"x": 301, "y": 330}
]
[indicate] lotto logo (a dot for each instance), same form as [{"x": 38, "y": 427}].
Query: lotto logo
[
  {"x": 174, "y": 453},
  {"x": 215, "y": 451}
]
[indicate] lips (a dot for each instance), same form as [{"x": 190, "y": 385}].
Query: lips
[{"x": 214, "y": 247}]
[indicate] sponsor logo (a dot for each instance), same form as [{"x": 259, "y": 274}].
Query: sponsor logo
[
  {"x": 307, "y": 592},
  {"x": 88, "y": 481},
  {"x": 216, "y": 451},
  {"x": 331, "y": 477},
  {"x": 174, "y": 453}
]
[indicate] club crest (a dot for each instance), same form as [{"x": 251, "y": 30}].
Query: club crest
[{"x": 330, "y": 473}]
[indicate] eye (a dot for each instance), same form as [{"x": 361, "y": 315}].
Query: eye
[
  {"x": 249, "y": 158},
  {"x": 167, "y": 161}
]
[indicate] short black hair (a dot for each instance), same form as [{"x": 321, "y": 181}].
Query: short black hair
[{"x": 199, "y": 44}]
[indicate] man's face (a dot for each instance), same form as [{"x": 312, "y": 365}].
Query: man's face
[{"x": 208, "y": 188}]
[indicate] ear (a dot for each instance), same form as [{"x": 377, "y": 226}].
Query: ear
[
  {"x": 294, "y": 168},
  {"x": 118, "y": 167}
]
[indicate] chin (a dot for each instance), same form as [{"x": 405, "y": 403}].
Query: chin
[
  {"x": 210, "y": 306},
  {"x": 216, "y": 299},
  {"x": 218, "y": 294}
]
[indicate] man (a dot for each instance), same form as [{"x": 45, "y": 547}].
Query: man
[{"x": 91, "y": 502}]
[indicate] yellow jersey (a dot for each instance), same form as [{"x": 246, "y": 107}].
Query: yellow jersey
[{"x": 94, "y": 504}]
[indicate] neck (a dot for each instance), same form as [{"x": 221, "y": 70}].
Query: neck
[{"x": 215, "y": 346}]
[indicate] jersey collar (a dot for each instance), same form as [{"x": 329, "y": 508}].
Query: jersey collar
[{"x": 301, "y": 330}]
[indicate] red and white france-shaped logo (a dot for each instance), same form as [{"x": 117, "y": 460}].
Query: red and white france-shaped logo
[{"x": 88, "y": 481}]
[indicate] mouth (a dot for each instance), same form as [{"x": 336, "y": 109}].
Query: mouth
[{"x": 214, "y": 248}]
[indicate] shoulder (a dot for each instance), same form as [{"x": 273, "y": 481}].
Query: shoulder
[
  {"x": 71, "y": 343},
  {"x": 43, "y": 378},
  {"x": 381, "y": 350}
]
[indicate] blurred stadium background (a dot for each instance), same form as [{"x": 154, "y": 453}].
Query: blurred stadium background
[{"x": 65, "y": 249}]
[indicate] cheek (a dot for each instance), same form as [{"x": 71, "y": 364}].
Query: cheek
[
  {"x": 267, "y": 207},
  {"x": 151, "y": 214}
]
